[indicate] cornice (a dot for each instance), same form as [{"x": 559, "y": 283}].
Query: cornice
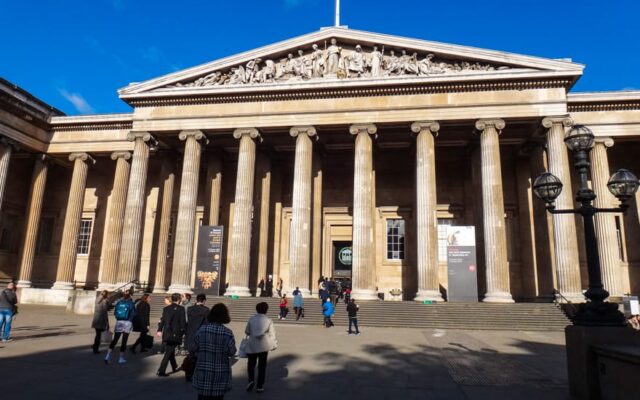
[
  {"x": 626, "y": 100},
  {"x": 92, "y": 122}
]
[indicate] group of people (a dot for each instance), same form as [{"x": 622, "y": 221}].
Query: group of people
[{"x": 334, "y": 289}]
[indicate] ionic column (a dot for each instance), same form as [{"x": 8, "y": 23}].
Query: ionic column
[
  {"x": 238, "y": 270},
  {"x": 300, "y": 237},
  {"x": 564, "y": 225},
  {"x": 605, "y": 222},
  {"x": 116, "y": 218},
  {"x": 426, "y": 211},
  {"x": 363, "y": 276},
  {"x": 34, "y": 209},
  {"x": 69, "y": 246},
  {"x": 185, "y": 226},
  {"x": 495, "y": 236},
  {"x": 6, "y": 148},
  {"x": 169, "y": 176},
  {"x": 214, "y": 185},
  {"x": 134, "y": 208}
]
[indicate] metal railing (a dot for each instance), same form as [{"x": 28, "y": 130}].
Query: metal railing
[{"x": 567, "y": 306}]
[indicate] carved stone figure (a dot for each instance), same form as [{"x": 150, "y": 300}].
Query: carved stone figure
[
  {"x": 304, "y": 66},
  {"x": 237, "y": 75},
  {"x": 408, "y": 63},
  {"x": 251, "y": 70},
  {"x": 333, "y": 57},
  {"x": 392, "y": 64},
  {"x": 427, "y": 66},
  {"x": 355, "y": 62},
  {"x": 376, "y": 63},
  {"x": 317, "y": 61},
  {"x": 267, "y": 73}
]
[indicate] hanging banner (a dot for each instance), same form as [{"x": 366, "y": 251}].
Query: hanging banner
[
  {"x": 209, "y": 260},
  {"x": 461, "y": 264}
]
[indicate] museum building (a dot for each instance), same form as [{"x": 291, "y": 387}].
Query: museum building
[{"x": 337, "y": 153}]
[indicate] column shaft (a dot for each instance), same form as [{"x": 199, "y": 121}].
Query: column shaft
[
  {"x": 34, "y": 210},
  {"x": 605, "y": 223},
  {"x": 6, "y": 148},
  {"x": 214, "y": 185},
  {"x": 69, "y": 245},
  {"x": 238, "y": 270},
  {"x": 116, "y": 218},
  {"x": 185, "y": 226},
  {"x": 564, "y": 225},
  {"x": 317, "y": 224},
  {"x": 363, "y": 259},
  {"x": 134, "y": 209},
  {"x": 426, "y": 212},
  {"x": 300, "y": 237},
  {"x": 262, "y": 248},
  {"x": 495, "y": 237},
  {"x": 169, "y": 176}
]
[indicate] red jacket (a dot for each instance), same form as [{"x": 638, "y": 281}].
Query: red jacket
[{"x": 283, "y": 303}]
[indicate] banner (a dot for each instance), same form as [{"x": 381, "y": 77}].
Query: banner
[
  {"x": 209, "y": 260},
  {"x": 461, "y": 264}
]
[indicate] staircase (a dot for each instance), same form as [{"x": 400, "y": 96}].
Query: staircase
[{"x": 469, "y": 316}]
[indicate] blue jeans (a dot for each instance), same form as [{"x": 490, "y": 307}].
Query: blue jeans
[
  {"x": 5, "y": 320},
  {"x": 353, "y": 321}
]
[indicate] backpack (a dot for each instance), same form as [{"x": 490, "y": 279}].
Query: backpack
[{"x": 122, "y": 311}]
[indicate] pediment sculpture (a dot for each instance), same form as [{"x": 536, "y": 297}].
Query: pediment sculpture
[{"x": 336, "y": 62}]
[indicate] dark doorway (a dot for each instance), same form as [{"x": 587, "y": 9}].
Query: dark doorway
[{"x": 342, "y": 256}]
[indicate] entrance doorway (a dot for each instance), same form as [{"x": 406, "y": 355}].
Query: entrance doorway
[{"x": 342, "y": 256}]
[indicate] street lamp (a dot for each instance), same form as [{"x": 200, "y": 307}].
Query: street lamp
[{"x": 623, "y": 185}]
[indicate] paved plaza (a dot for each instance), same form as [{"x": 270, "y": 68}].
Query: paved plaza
[{"x": 50, "y": 359}]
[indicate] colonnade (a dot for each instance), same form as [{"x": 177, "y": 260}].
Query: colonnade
[{"x": 124, "y": 229}]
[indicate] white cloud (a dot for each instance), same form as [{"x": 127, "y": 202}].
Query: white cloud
[{"x": 78, "y": 101}]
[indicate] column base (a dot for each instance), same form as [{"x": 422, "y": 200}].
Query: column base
[
  {"x": 571, "y": 297},
  {"x": 239, "y": 291},
  {"x": 430, "y": 295},
  {"x": 364, "y": 294},
  {"x": 63, "y": 285},
  {"x": 106, "y": 286},
  {"x": 159, "y": 290},
  {"x": 176, "y": 288},
  {"x": 498, "y": 297},
  {"x": 23, "y": 284}
]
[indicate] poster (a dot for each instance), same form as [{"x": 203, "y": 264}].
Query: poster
[
  {"x": 461, "y": 264},
  {"x": 209, "y": 260}
]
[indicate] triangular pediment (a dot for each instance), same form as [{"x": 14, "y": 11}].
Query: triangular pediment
[{"x": 338, "y": 56}]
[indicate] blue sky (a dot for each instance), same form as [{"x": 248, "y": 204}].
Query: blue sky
[{"x": 75, "y": 54}]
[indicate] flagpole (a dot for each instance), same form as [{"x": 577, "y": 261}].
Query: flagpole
[{"x": 337, "y": 21}]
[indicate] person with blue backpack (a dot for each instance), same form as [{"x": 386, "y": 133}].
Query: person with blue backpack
[{"x": 124, "y": 311}]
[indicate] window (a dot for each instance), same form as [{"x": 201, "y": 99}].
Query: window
[
  {"x": 395, "y": 239},
  {"x": 8, "y": 232},
  {"x": 170, "y": 235},
  {"x": 84, "y": 235},
  {"x": 45, "y": 236},
  {"x": 443, "y": 223},
  {"x": 619, "y": 238}
]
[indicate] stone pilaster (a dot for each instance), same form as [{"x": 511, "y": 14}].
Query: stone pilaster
[
  {"x": 34, "y": 209},
  {"x": 426, "y": 211},
  {"x": 495, "y": 236},
  {"x": 169, "y": 176},
  {"x": 261, "y": 216},
  {"x": 185, "y": 226},
  {"x": 300, "y": 237},
  {"x": 69, "y": 246},
  {"x": 316, "y": 265},
  {"x": 134, "y": 210},
  {"x": 363, "y": 262},
  {"x": 564, "y": 225},
  {"x": 214, "y": 187},
  {"x": 238, "y": 269},
  {"x": 605, "y": 223},
  {"x": 116, "y": 218},
  {"x": 6, "y": 148}
]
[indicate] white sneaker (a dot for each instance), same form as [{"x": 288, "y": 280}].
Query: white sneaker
[{"x": 121, "y": 360}]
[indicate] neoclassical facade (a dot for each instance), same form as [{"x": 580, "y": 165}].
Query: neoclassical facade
[{"x": 338, "y": 138}]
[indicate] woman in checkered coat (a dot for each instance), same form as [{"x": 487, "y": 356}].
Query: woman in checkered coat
[{"x": 213, "y": 345}]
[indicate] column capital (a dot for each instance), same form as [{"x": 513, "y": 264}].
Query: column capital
[
  {"x": 303, "y": 130},
  {"x": 370, "y": 129},
  {"x": 253, "y": 133},
  {"x": 421, "y": 126},
  {"x": 606, "y": 141},
  {"x": 9, "y": 142},
  {"x": 197, "y": 134},
  {"x": 82, "y": 156},
  {"x": 121, "y": 154},
  {"x": 145, "y": 136},
  {"x": 496, "y": 123},
  {"x": 565, "y": 120}
]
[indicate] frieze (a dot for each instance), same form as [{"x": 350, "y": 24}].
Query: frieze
[{"x": 336, "y": 61}]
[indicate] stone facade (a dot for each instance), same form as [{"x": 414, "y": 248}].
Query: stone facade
[{"x": 335, "y": 145}]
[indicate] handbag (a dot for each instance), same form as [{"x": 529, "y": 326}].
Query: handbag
[
  {"x": 107, "y": 336},
  {"x": 242, "y": 350},
  {"x": 147, "y": 342},
  {"x": 189, "y": 364}
]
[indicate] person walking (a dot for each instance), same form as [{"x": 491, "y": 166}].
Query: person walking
[
  {"x": 298, "y": 304},
  {"x": 268, "y": 287},
  {"x": 213, "y": 346},
  {"x": 328, "y": 311},
  {"x": 171, "y": 328},
  {"x": 141, "y": 323},
  {"x": 196, "y": 317},
  {"x": 100, "y": 322},
  {"x": 8, "y": 310},
  {"x": 283, "y": 307},
  {"x": 186, "y": 303},
  {"x": 261, "y": 339},
  {"x": 352, "y": 310},
  {"x": 124, "y": 312}
]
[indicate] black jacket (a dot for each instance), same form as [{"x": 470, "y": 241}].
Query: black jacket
[
  {"x": 172, "y": 324},
  {"x": 8, "y": 300},
  {"x": 141, "y": 320},
  {"x": 196, "y": 317},
  {"x": 352, "y": 309}
]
